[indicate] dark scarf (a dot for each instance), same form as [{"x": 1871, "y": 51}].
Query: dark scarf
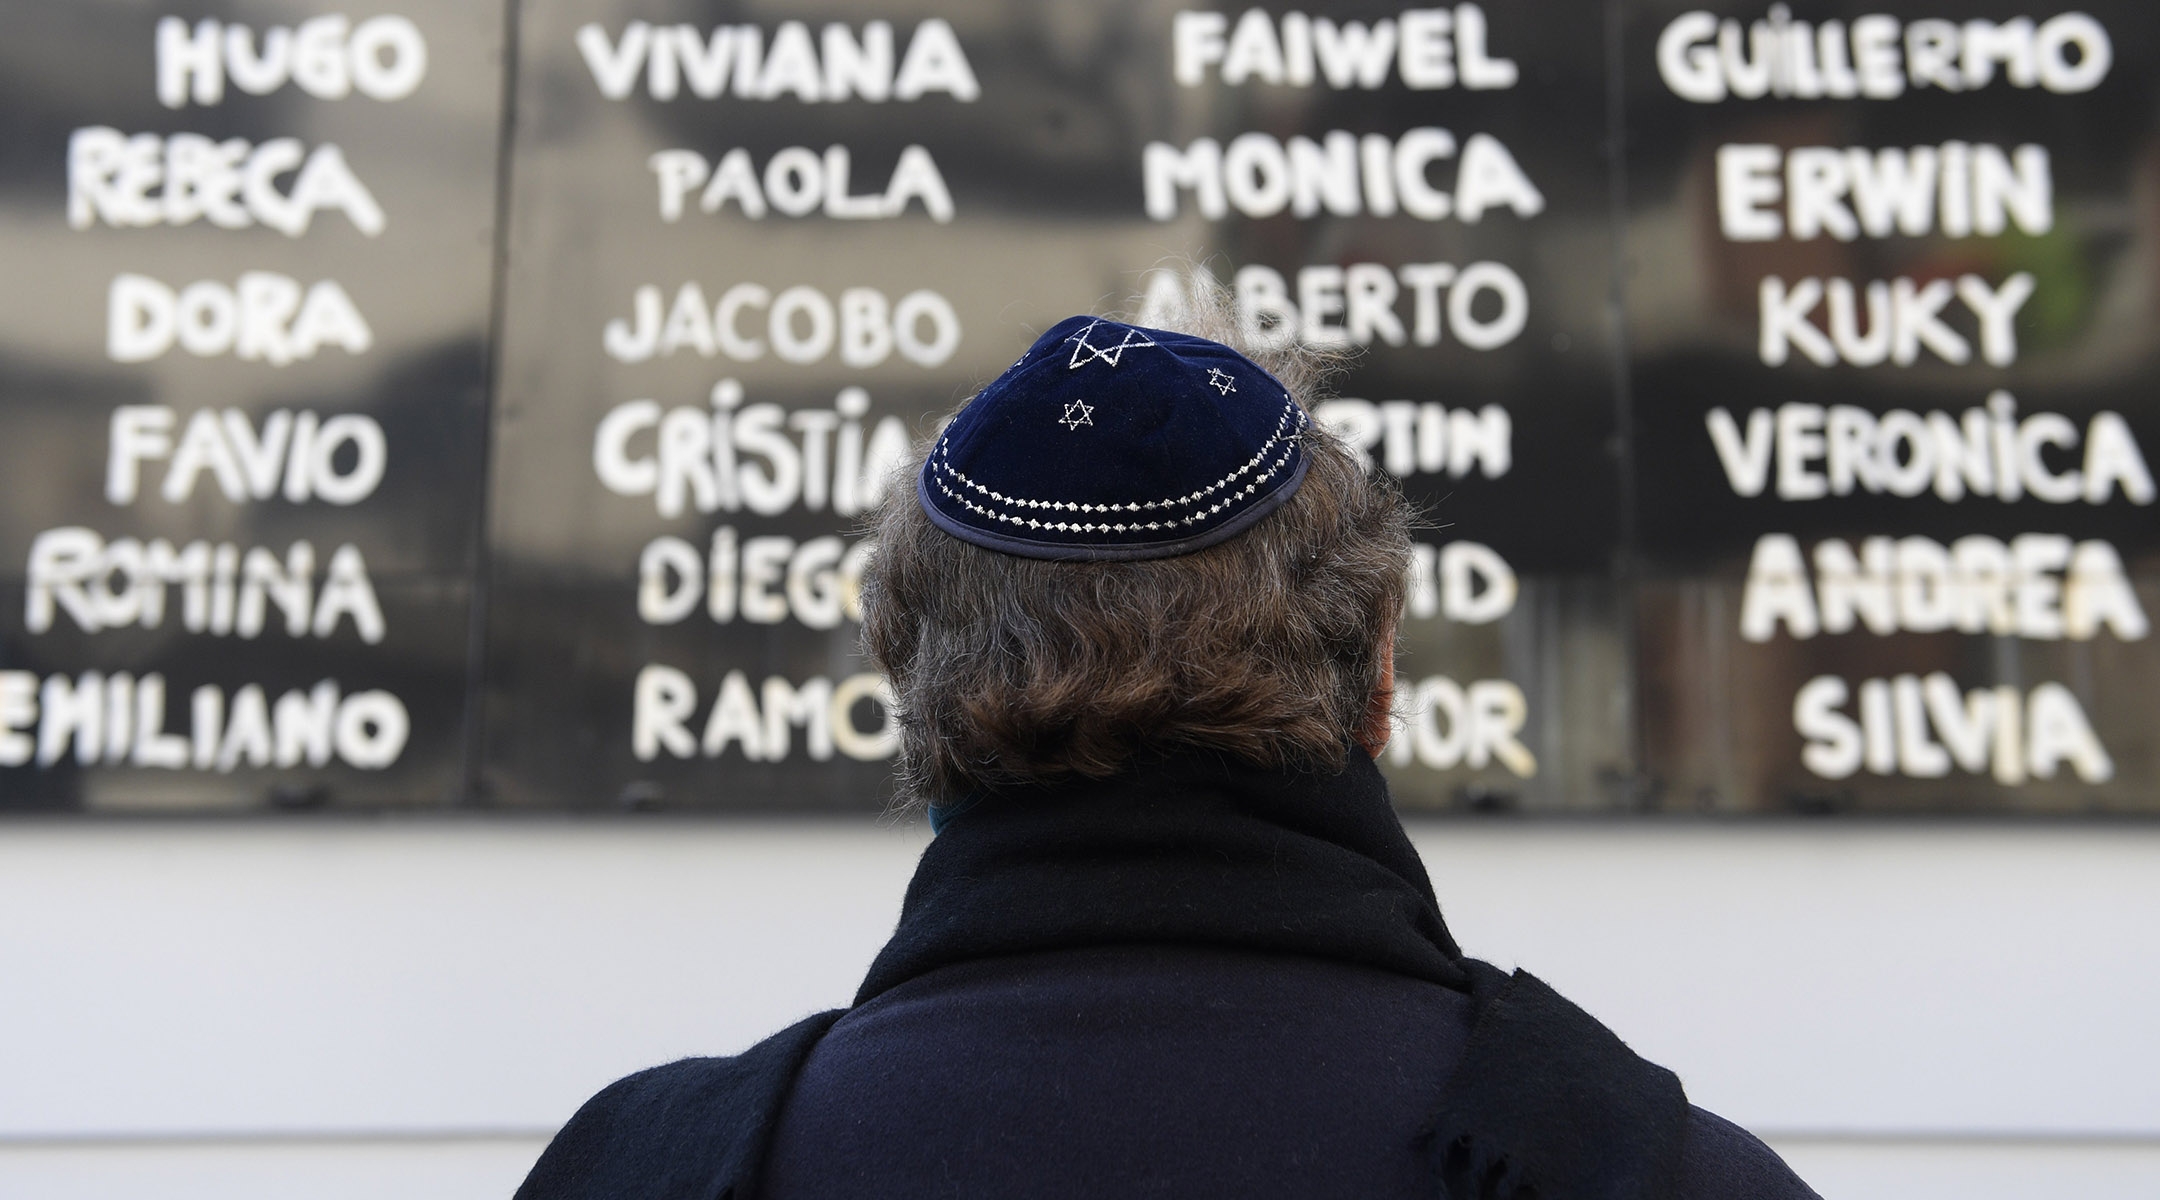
[
  {"x": 1198, "y": 849},
  {"x": 1204, "y": 850},
  {"x": 1545, "y": 1103}
]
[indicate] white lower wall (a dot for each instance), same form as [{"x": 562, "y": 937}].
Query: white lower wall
[
  {"x": 1910, "y": 979},
  {"x": 1975, "y": 1169},
  {"x": 480, "y": 1168},
  {"x": 489, "y": 1168},
  {"x": 408, "y": 977},
  {"x": 408, "y": 1007}
]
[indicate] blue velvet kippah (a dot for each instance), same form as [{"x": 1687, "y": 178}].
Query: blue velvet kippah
[{"x": 1110, "y": 441}]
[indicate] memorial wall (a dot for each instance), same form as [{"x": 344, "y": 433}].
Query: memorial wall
[{"x": 444, "y": 406}]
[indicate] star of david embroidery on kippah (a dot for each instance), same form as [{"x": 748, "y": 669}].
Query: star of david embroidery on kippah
[
  {"x": 1078, "y": 413},
  {"x": 1222, "y": 380},
  {"x": 1085, "y": 352}
]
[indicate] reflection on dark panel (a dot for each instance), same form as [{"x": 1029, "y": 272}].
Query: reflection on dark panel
[
  {"x": 736, "y": 295},
  {"x": 1777, "y": 381},
  {"x": 1893, "y": 370},
  {"x": 242, "y": 401}
]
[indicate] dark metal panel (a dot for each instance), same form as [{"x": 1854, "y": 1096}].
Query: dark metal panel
[
  {"x": 1975, "y": 687},
  {"x": 1046, "y": 169},
  {"x": 164, "y": 311}
]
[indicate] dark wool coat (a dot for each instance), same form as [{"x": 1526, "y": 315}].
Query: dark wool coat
[{"x": 1197, "y": 979}]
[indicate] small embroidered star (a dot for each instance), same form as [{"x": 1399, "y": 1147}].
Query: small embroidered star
[
  {"x": 1222, "y": 380},
  {"x": 1078, "y": 413}
]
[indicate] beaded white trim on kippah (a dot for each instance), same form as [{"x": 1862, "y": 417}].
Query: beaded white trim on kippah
[
  {"x": 1284, "y": 435},
  {"x": 1121, "y": 527},
  {"x": 1291, "y": 414}
]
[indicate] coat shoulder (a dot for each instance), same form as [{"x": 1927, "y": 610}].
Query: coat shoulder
[
  {"x": 1725, "y": 1162},
  {"x": 690, "y": 1129}
]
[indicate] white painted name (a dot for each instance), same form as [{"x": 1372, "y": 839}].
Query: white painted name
[
  {"x": 1461, "y": 581},
  {"x": 264, "y": 317},
  {"x": 1926, "y": 727},
  {"x": 1900, "y": 318},
  {"x": 1811, "y": 451},
  {"x": 1423, "y": 437},
  {"x": 100, "y": 585},
  {"x": 760, "y": 723},
  {"x": 1443, "y": 725},
  {"x": 840, "y": 64},
  {"x": 1705, "y": 59},
  {"x": 147, "y": 180},
  {"x": 1425, "y": 48},
  {"x": 761, "y": 580},
  {"x": 293, "y": 455},
  {"x": 328, "y": 57},
  {"x": 1341, "y": 174},
  {"x": 798, "y": 182},
  {"x": 2036, "y": 585},
  {"x": 1957, "y": 189},
  {"x": 762, "y": 458},
  {"x": 1357, "y": 305},
  {"x": 800, "y": 325},
  {"x": 119, "y": 720}
]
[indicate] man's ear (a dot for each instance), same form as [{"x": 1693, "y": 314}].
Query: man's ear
[{"x": 1379, "y": 726}]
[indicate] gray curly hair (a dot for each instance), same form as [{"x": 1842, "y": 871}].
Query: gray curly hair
[{"x": 1267, "y": 647}]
